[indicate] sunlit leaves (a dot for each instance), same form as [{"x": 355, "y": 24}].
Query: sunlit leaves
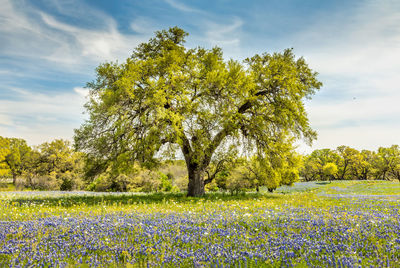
[
  {"x": 346, "y": 163},
  {"x": 166, "y": 93},
  {"x": 14, "y": 155}
]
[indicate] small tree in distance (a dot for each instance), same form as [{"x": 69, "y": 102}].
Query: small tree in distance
[
  {"x": 14, "y": 154},
  {"x": 167, "y": 97}
]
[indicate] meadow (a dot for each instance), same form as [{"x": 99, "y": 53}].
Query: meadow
[{"x": 315, "y": 224}]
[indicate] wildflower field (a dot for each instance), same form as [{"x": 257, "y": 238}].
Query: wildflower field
[{"x": 339, "y": 224}]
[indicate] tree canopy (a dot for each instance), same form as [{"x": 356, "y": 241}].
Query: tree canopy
[
  {"x": 4, "y": 151},
  {"x": 167, "y": 97},
  {"x": 13, "y": 156},
  {"x": 346, "y": 163}
]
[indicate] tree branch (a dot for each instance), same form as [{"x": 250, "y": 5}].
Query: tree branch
[
  {"x": 248, "y": 104},
  {"x": 214, "y": 144},
  {"x": 186, "y": 148},
  {"x": 217, "y": 169},
  {"x": 225, "y": 131}
]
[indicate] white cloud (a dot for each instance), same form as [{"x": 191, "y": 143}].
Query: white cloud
[
  {"x": 5, "y": 121},
  {"x": 39, "y": 117},
  {"x": 59, "y": 42},
  {"x": 224, "y": 34},
  {"x": 84, "y": 92},
  {"x": 46, "y": 49},
  {"x": 359, "y": 137},
  {"x": 182, "y": 7},
  {"x": 367, "y": 43},
  {"x": 325, "y": 115},
  {"x": 358, "y": 58},
  {"x": 94, "y": 45},
  {"x": 144, "y": 25},
  {"x": 46, "y": 45},
  {"x": 214, "y": 29}
]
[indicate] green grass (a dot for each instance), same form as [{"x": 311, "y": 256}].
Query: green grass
[
  {"x": 364, "y": 187},
  {"x": 6, "y": 187},
  {"x": 300, "y": 187},
  {"x": 126, "y": 199},
  {"x": 26, "y": 204},
  {"x": 305, "y": 214}
]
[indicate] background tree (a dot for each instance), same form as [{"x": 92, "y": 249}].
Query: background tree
[
  {"x": 55, "y": 165},
  {"x": 224, "y": 160},
  {"x": 360, "y": 167},
  {"x": 278, "y": 166},
  {"x": 318, "y": 165},
  {"x": 15, "y": 155},
  {"x": 394, "y": 167},
  {"x": 166, "y": 96},
  {"x": 238, "y": 180},
  {"x": 366, "y": 168},
  {"x": 330, "y": 170},
  {"x": 4, "y": 151},
  {"x": 261, "y": 173},
  {"x": 382, "y": 163},
  {"x": 387, "y": 163},
  {"x": 347, "y": 161}
]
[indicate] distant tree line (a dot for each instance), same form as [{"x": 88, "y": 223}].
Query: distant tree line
[
  {"x": 56, "y": 165},
  {"x": 346, "y": 163},
  {"x": 227, "y": 172},
  {"x": 49, "y": 166}
]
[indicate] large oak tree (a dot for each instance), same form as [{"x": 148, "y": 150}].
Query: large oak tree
[{"x": 166, "y": 96}]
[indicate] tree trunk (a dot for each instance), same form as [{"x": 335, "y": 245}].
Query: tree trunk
[
  {"x": 344, "y": 172},
  {"x": 196, "y": 182},
  {"x": 14, "y": 179}
]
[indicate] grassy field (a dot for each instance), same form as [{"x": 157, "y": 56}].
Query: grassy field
[{"x": 317, "y": 224}]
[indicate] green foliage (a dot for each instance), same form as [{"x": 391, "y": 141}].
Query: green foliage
[
  {"x": 346, "y": 163},
  {"x": 313, "y": 168},
  {"x": 166, "y": 182},
  {"x": 176, "y": 171},
  {"x": 365, "y": 167},
  {"x": 142, "y": 179},
  {"x": 330, "y": 170},
  {"x": 238, "y": 180},
  {"x": 4, "y": 151},
  {"x": 166, "y": 97},
  {"x": 14, "y": 156},
  {"x": 272, "y": 168},
  {"x": 54, "y": 165},
  {"x": 289, "y": 176},
  {"x": 221, "y": 179},
  {"x": 388, "y": 163},
  {"x": 277, "y": 166}
]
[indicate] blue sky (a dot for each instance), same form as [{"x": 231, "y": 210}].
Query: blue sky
[{"x": 49, "y": 50}]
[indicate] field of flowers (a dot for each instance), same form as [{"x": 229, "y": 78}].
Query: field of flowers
[{"x": 316, "y": 226}]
